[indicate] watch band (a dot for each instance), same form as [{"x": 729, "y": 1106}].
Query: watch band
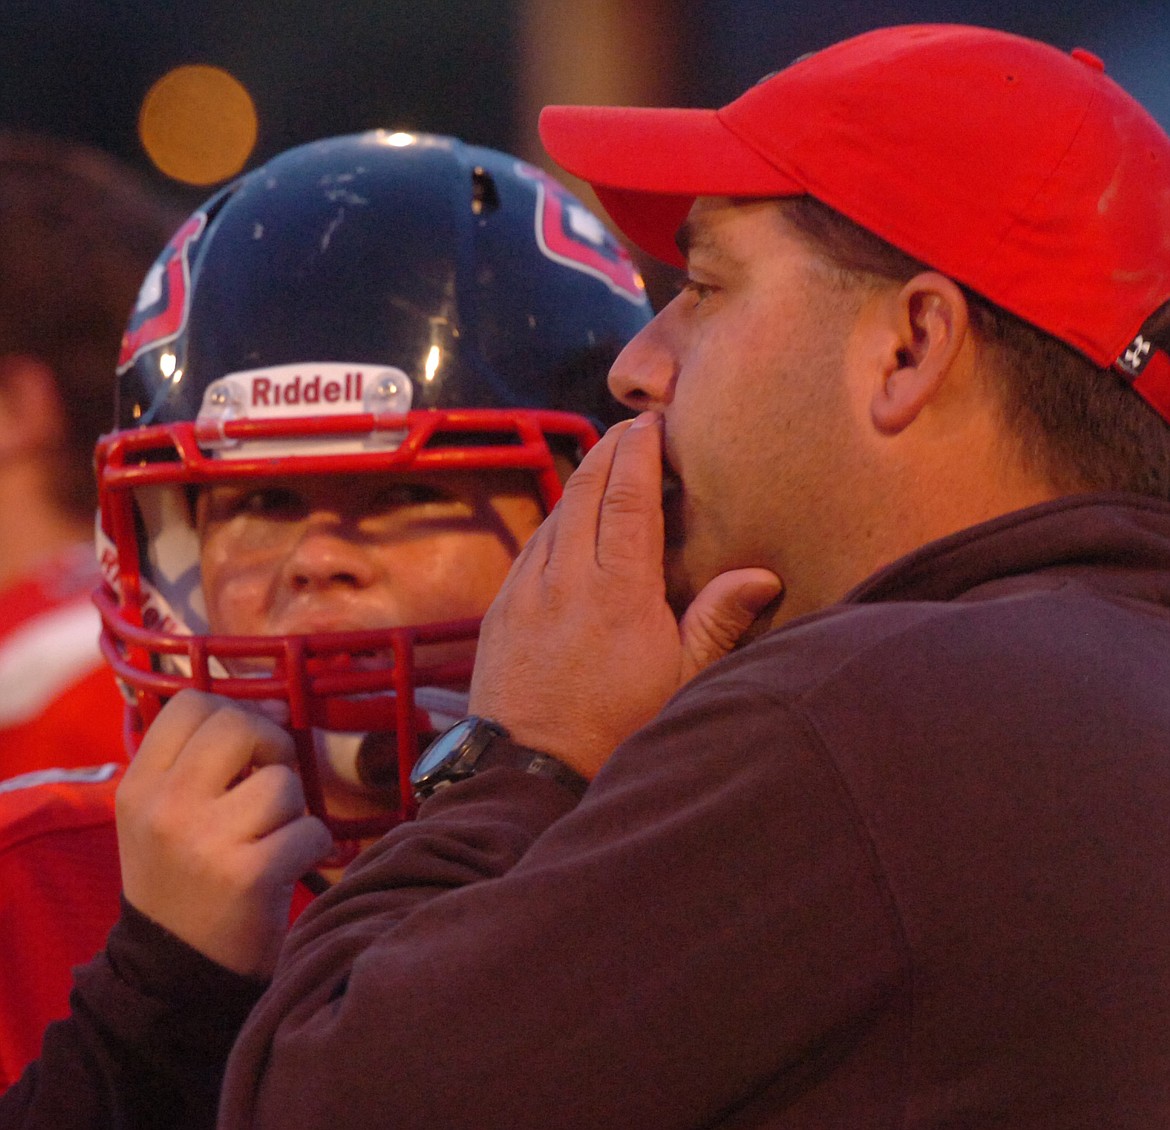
[{"x": 504, "y": 751}]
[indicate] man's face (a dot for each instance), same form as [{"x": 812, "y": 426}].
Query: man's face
[
  {"x": 747, "y": 366},
  {"x": 359, "y": 551}
]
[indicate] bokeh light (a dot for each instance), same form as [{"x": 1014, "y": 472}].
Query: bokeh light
[{"x": 198, "y": 124}]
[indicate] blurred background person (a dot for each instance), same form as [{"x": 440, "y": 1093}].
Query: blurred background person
[
  {"x": 78, "y": 229},
  {"x": 77, "y": 232}
]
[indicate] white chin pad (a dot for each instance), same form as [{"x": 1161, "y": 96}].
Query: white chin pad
[{"x": 339, "y": 751}]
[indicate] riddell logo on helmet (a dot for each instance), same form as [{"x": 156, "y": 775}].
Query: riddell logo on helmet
[
  {"x": 269, "y": 393},
  {"x": 310, "y": 388}
]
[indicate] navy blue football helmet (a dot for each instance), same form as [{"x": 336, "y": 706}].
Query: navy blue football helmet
[{"x": 382, "y": 301}]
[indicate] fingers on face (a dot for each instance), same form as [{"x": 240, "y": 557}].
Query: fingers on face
[
  {"x": 613, "y": 502},
  {"x": 266, "y": 805},
  {"x": 572, "y": 522},
  {"x": 630, "y": 525}
]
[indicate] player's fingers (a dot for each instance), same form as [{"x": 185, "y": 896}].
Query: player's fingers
[
  {"x": 176, "y": 723},
  {"x": 264, "y": 801},
  {"x": 274, "y": 709},
  {"x": 229, "y": 741},
  {"x": 285, "y": 854}
]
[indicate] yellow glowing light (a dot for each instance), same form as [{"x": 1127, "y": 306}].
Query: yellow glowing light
[
  {"x": 431, "y": 367},
  {"x": 198, "y": 124},
  {"x": 400, "y": 139},
  {"x": 166, "y": 364}
]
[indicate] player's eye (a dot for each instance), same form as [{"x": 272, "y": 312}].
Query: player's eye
[
  {"x": 395, "y": 496},
  {"x": 271, "y": 502}
]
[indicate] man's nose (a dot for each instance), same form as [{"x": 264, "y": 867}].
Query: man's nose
[{"x": 644, "y": 373}]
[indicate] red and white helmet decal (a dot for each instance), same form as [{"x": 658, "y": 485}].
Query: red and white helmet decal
[
  {"x": 165, "y": 298},
  {"x": 569, "y": 234}
]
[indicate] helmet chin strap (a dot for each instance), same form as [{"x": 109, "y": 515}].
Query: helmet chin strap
[{"x": 370, "y": 760}]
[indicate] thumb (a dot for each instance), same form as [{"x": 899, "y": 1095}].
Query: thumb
[{"x": 720, "y": 615}]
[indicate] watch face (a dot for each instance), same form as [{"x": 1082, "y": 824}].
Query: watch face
[{"x": 443, "y": 750}]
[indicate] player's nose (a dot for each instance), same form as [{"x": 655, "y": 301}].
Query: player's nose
[{"x": 328, "y": 551}]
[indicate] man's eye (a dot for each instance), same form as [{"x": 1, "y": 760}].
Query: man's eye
[{"x": 698, "y": 291}]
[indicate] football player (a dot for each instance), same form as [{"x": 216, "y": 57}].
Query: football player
[{"x": 350, "y": 390}]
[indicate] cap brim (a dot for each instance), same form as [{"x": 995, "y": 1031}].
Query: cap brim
[{"x": 648, "y": 165}]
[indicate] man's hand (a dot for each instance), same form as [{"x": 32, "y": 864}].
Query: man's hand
[
  {"x": 212, "y": 830},
  {"x": 580, "y": 648}
]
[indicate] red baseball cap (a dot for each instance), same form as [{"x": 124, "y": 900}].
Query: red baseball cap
[{"x": 1018, "y": 170}]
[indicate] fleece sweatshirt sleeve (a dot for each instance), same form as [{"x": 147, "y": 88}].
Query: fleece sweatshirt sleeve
[
  {"x": 151, "y": 1024},
  {"x": 510, "y": 959}
]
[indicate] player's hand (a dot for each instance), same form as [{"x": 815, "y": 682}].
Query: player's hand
[
  {"x": 212, "y": 830},
  {"x": 580, "y": 648}
]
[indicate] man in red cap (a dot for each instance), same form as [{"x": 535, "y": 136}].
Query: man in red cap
[{"x": 872, "y": 697}]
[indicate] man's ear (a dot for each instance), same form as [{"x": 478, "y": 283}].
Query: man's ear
[
  {"x": 30, "y": 406},
  {"x": 930, "y": 324}
]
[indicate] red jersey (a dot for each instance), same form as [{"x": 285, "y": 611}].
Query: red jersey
[
  {"x": 59, "y": 704},
  {"x": 59, "y": 896},
  {"x": 59, "y": 886}
]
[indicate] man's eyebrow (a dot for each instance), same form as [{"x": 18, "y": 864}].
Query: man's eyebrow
[{"x": 692, "y": 238}]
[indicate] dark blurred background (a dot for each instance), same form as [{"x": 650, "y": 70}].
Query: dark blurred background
[{"x": 293, "y": 70}]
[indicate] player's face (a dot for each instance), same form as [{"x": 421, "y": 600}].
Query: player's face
[
  {"x": 335, "y": 553},
  {"x": 747, "y": 366},
  {"x": 317, "y": 554}
]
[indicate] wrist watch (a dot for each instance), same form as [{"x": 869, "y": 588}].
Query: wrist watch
[{"x": 473, "y": 744}]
